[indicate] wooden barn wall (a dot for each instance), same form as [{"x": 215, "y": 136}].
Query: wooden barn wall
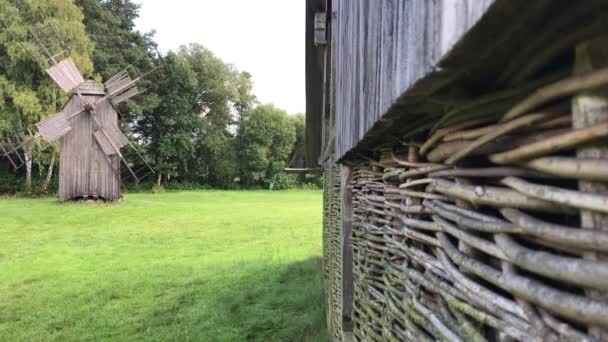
[
  {"x": 84, "y": 170},
  {"x": 314, "y": 85},
  {"x": 381, "y": 48}
]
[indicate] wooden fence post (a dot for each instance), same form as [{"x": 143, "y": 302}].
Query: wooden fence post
[
  {"x": 346, "y": 222},
  {"x": 588, "y": 109}
]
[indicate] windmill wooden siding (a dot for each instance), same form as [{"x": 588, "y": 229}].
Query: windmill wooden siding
[
  {"x": 464, "y": 155},
  {"x": 84, "y": 169}
]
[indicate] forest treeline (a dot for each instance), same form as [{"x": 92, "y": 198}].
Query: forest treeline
[{"x": 197, "y": 123}]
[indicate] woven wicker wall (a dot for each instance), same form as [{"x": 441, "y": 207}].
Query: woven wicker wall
[
  {"x": 332, "y": 249},
  {"x": 491, "y": 229}
]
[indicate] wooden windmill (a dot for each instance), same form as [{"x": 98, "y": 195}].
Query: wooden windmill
[{"x": 88, "y": 128}]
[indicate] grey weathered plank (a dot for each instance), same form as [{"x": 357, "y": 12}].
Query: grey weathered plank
[
  {"x": 383, "y": 48},
  {"x": 54, "y": 127},
  {"x": 104, "y": 143},
  {"x": 66, "y": 75},
  {"x": 84, "y": 169}
]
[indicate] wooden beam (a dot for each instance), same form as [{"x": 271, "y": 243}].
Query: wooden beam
[
  {"x": 346, "y": 212},
  {"x": 296, "y": 171},
  {"x": 589, "y": 108}
]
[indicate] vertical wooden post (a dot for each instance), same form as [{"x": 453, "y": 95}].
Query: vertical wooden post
[
  {"x": 588, "y": 109},
  {"x": 346, "y": 223}
]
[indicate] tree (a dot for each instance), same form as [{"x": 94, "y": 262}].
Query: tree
[
  {"x": 29, "y": 95},
  {"x": 170, "y": 128},
  {"x": 220, "y": 93},
  {"x": 297, "y": 157},
  {"x": 266, "y": 138},
  {"x": 111, "y": 25},
  {"x": 245, "y": 99}
]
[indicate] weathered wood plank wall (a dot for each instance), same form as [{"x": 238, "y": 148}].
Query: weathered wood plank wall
[
  {"x": 382, "y": 48},
  {"x": 83, "y": 169},
  {"x": 314, "y": 85}
]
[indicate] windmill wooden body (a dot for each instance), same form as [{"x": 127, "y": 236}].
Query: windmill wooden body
[
  {"x": 88, "y": 162},
  {"x": 88, "y": 128}
]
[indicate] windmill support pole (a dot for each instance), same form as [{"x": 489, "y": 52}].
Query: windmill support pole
[
  {"x": 114, "y": 146},
  {"x": 139, "y": 154},
  {"x": 9, "y": 157},
  {"x": 141, "y": 157},
  {"x": 44, "y": 48}
]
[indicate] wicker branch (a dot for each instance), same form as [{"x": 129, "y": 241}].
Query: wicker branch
[
  {"x": 560, "y": 142},
  {"x": 494, "y": 196},
  {"x": 487, "y": 172},
  {"x": 447, "y": 150},
  {"x": 566, "y": 331},
  {"x": 471, "y": 219},
  {"x": 588, "y": 273},
  {"x": 575, "y": 307},
  {"x": 422, "y": 171},
  {"x": 490, "y": 320},
  {"x": 436, "y": 322},
  {"x": 577, "y": 168},
  {"x": 410, "y": 184},
  {"x": 422, "y": 194},
  {"x": 421, "y": 224},
  {"x": 473, "y": 289},
  {"x": 531, "y": 313},
  {"x": 562, "y": 121},
  {"x": 558, "y": 89},
  {"x": 499, "y": 131},
  {"x": 569, "y": 236},
  {"x": 440, "y": 133},
  {"x": 414, "y": 235},
  {"x": 411, "y": 164},
  {"x": 481, "y": 244},
  {"x": 414, "y": 209},
  {"x": 576, "y": 199}
]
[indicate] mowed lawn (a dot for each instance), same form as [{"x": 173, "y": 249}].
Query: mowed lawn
[{"x": 177, "y": 266}]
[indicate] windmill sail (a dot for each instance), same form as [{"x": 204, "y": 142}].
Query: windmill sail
[
  {"x": 4, "y": 151},
  {"x": 122, "y": 87},
  {"x": 110, "y": 140},
  {"x": 66, "y": 75},
  {"x": 117, "y": 138},
  {"x": 54, "y": 127},
  {"x": 104, "y": 143},
  {"x": 10, "y": 150},
  {"x": 122, "y": 90},
  {"x": 124, "y": 96},
  {"x": 118, "y": 81}
]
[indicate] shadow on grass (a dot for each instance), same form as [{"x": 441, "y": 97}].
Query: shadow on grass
[{"x": 259, "y": 302}]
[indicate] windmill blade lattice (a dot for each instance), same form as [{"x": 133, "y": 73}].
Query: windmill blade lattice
[
  {"x": 13, "y": 158},
  {"x": 54, "y": 127},
  {"x": 10, "y": 148},
  {"x": 66, "y": 75},
  {"x": 121, "y": 86}
]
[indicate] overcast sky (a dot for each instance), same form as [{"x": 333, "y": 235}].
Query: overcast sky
[{"x": 263, "y": 37}]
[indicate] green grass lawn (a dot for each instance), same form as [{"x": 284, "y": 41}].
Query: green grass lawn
[{"x": 177, "y": 266}]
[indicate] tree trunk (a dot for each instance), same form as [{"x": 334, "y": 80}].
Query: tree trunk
[
  {"x": 27, "y": 153},
  {"x": 159, "y": 180},
  {"x": 49, "y": 175},
  {"x": 589, "y": 109}
]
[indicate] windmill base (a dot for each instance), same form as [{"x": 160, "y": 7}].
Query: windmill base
[{"x": 93, "y": 199}]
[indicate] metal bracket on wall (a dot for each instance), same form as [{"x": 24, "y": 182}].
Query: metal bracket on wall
[{"x": 320, "y": 29}]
